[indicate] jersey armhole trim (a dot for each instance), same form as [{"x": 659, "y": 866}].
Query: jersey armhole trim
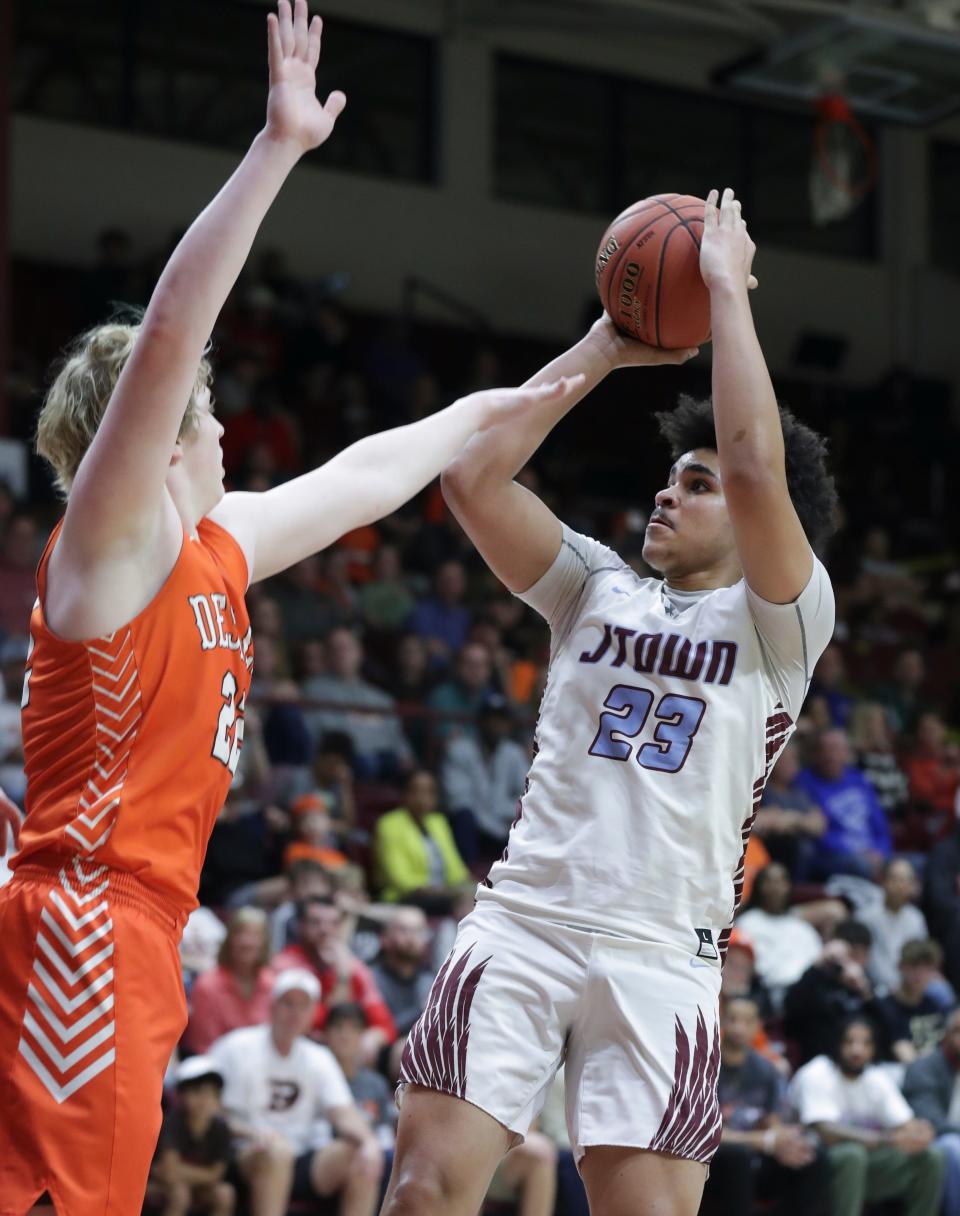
[
  {"x": 803, "y": 643},
  {"x": 212, "y": 523}
]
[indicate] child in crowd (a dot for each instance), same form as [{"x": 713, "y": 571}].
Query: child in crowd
[{"x": 189, "y": 1170}]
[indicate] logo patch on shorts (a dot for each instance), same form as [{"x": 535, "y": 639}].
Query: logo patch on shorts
[{"x": 705, "y": 946}]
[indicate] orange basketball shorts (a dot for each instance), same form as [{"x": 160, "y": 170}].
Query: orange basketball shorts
[{"x": 91, "y": 1008}]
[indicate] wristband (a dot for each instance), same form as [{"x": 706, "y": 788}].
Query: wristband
[{"x": 769, "y": 1141}]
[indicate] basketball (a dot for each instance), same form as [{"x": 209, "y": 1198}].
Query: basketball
[{"x": 648, "y": 272}]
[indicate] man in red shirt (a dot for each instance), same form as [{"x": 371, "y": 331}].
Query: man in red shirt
[
  {"x": 322, "y": 950},
  {"x": 933, "y": 770}
]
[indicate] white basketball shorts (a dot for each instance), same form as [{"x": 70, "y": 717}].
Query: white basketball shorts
[{"x": 635, "y": 1023}]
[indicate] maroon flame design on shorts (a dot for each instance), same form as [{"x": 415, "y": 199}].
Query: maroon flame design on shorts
[
  {"x": 778, "y": 730},
  {"x": 691, "y": 1123},
  {"x": 435, "y": 1054}
]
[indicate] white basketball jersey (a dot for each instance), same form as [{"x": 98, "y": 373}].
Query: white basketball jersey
[{"x": 663, "y": 714}]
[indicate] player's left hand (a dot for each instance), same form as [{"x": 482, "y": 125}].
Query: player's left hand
[
  {"x": 295, "y": 114},
  {"x": 9, "y": 823},
  {"x": 726, "y": 249},
  {"x": 620, "y": 350}
]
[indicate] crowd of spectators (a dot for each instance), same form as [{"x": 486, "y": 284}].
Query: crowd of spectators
[{"x": 387, "y": 739}]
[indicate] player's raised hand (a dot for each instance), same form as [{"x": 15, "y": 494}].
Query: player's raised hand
[
  {"x": 623, "y": 351},
  {"x": 295, "y": 114},
  {"x": 726, "y": 250}
]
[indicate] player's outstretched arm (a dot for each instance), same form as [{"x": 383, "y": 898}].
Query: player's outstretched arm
[
  {"x": 774, "y": 552},
  {"x": 116, "y": 505},
  {"x": 367, "y": 480},
  {"x": 517, "y": 535}
]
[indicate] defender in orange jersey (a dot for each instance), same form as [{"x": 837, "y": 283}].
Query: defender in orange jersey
[{"x": 138, "y": 674}]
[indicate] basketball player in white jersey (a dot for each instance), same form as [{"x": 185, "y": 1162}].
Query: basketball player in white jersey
[{"x": 599, "y": 937}]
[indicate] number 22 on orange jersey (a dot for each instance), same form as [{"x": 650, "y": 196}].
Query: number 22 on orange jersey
[{"x": 229, "y": 737}]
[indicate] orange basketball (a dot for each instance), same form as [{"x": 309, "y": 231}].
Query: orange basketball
[{"x": 648, "y": 272}]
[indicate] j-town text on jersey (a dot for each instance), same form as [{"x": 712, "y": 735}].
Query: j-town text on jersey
[
  {"x": 209, "y": 613},
  {"x": 665, "y": 654}
]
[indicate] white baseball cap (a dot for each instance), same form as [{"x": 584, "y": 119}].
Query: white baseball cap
[
  {"x": 297, "y": 979},
  {"x": 195, "y": 1067}
]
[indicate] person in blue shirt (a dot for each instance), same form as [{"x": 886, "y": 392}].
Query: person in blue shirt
[
  {"x": 857, "y": 840},
  {"x": 442, "y": 619}
]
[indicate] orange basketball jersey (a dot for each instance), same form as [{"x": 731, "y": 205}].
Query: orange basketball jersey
[{"x": 131, "y": 740}]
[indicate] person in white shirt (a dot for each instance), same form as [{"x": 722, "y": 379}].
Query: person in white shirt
[
  {"x": 785, "y": 944},
  {"x": 280, "y": 1090},
  {"x": 893, "y": 922},
  {"x": 877, "y": 1148},
  {"x": 598, "y": 937}
]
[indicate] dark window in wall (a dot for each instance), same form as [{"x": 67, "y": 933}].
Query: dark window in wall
[
  {"x": 196, "y": 70},
  {"x": 675, "y": 140},
  {"x": 944, "y": 193},
  {"x": 552, "y": 141},
  {"x": 586, "y": 141}
]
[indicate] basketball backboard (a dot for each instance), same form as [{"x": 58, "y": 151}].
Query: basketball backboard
[{"x": 893, "y": 69}]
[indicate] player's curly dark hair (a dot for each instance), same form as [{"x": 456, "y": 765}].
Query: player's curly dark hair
[{"x": 812, "y": 487}]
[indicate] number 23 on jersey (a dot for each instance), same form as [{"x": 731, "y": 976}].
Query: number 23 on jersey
[{"x": 677, "y": 722}]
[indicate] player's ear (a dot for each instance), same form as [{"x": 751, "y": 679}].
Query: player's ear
[{"x": 177, "y": 454}]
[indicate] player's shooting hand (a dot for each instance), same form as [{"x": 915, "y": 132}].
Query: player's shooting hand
[
  {"x": 295, "y": 114},
  {"x": 620, "y": 350},
  {"x": 9, "y": 823},
  {"x": 726, "y": 250}
]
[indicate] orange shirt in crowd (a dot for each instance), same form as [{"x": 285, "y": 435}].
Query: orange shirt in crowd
[
  {"x": 757, "y": 857},
  {"x": 933, "y": 781}
]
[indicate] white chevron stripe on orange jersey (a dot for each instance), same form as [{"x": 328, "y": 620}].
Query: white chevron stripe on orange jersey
[
  {"x": 78, "y": 897},
  {"x": 64, "y": 1031},
  {"x": 67, "y": 1034},
  {"x": 70, "y": 1004},
  {"x": 59, "y": 1092},
  {"x": 117, "y": 708}
]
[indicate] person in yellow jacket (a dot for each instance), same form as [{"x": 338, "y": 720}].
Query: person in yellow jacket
[{"x": 415, "y": 858}]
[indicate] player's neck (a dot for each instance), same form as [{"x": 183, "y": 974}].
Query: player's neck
[
  {"x": 179, "y": 489},
  {"x": 698, "y": 582},
  {"x": 707, "y": 579}
]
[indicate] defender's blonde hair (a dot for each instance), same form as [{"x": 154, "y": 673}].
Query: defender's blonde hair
[{"x": 78, "y": 397}]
